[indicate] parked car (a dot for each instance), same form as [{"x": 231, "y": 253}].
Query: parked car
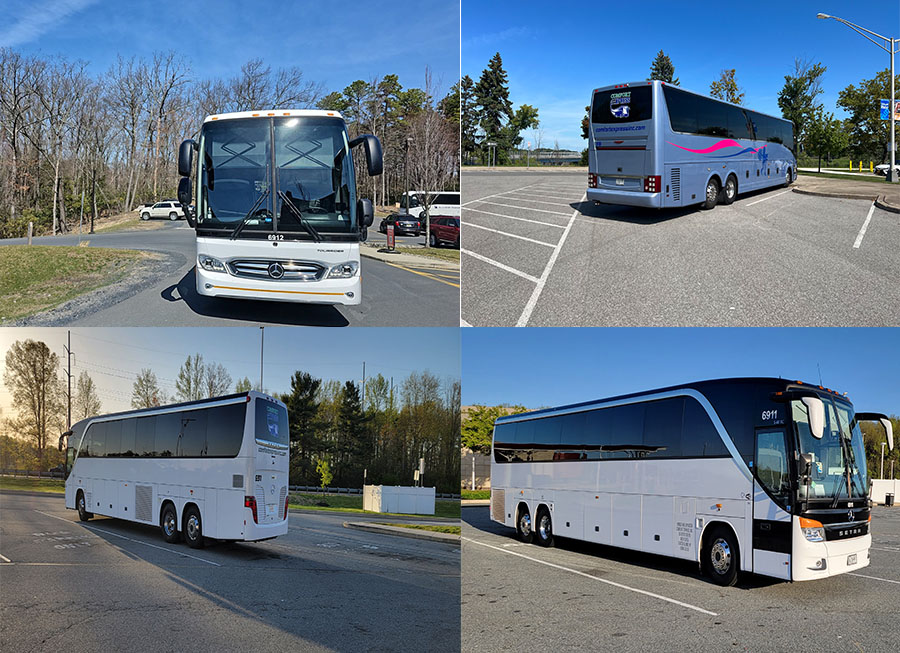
[
  {"x": 882, "y": 169},
  {"x": 143, "y": 207},
  {"x": 166, "y": 209},
  {"x": 58, "y": 472},
  {"x": 404, "y": 225},
  {"x": 444, "y": 229}
]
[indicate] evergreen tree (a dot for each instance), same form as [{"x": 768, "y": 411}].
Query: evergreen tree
[
  {"x": 468, "y": 107},
  {"x": 662, "y": 69},
  {"x": 243, "y": 385},
  {"x": 492, "y": 96},
  {"x": 353, "y": 446},
  {"x": 303, "y": 407}
]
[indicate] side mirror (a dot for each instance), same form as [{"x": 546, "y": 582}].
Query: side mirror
[
  {"x": 364, "y": 234},
  {"x": 60, "y": 446},
  {"x": 816, "y": 416},
  {"x": 184, "y": 197},
  {"x": 888, "y": 431},
  {"x": 366, "y": 212},
  {"x": 374, "y": 157},
  {"x": 186, "y": 157}
]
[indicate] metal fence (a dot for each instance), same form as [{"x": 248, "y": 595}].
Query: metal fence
[{"x": 28, "y": 473}]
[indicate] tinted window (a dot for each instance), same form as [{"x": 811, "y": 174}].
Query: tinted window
[
  {"x": 168, "y": 427},
  {"x": 772, "y": 463},
  {"x": 225, "y": 430},
  {"x": 193, "y": 433},
  {"x": 683, "y": 110},
  {"x": 738, "y": 123},
  {"x": 699, "y": 437},
  {"x": 145, "y": 436},
  {"x": 504, "y": 433},
  {"x": 546, "y": 431},
  {"x": 711, "y": 119},
  {"x": 97, "y": 434},
  {"x": 597, "y": 426},
  {"x": 84, "y": 449},
  {"x": 446, "y": 198},
  {"x": 627, "y": 425},
  {"x": 622, "y": 105},
  {"x": 128, "y": 430},
  {"x": 113, "y": 438},
  {"x": 525, "y": 433},
  {"x": 662, "y": 428}
]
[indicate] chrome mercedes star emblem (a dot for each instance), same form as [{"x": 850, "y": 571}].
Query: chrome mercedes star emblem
[
  {"x": 276, "y": 270},
  {"x": 850, "y": 515}
]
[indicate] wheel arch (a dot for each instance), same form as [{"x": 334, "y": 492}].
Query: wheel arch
[
  {"x": 184, "y": 509},
  {"x": 162, "y": 507},
  {"x": 711, "y": 525}
]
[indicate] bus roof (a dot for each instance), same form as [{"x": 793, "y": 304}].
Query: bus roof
[
  {"x": 695, "y": 385},
  {"x": 267, "y": 113},
  {"x": 183, "y": 404},
  {"x": 686, "y": 90}
]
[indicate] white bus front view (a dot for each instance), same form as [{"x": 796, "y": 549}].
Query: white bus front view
[{"x": 277, "y": 213}]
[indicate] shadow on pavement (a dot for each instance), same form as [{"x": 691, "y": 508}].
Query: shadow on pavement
[{"x": 252, "y": 310}]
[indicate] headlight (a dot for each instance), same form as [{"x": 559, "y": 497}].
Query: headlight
[
  {"x": 814, "y": 534},
  {"x": 344, "y": 270},
  {"x": 210, "y": 263}
]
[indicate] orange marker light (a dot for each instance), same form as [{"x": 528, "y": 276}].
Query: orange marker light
[{"x": 810, "y": 523}]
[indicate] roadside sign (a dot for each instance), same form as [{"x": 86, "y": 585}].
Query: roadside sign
[
  {"x": 390, "y": 236},
  {"x": 886, "y": 110}
]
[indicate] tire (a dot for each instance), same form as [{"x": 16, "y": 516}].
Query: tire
[
  {"x": 456, "y": 244},
  {"x": 193, "y": 528},
  {"x": 543, "y": 531},
  {"x": 173, "y": 216},
  {"x": 432, "y": 240},
  {"x": 145, "y": 216},
  {"x": 712, "y": 193},
  {"x": 720, "y": 558},
  {"x": 83, "y": 514},
  {"x": 787, "y": 178},
  {"x": 729, "y": 192},
  {"x": 168, "y": 524},
  {"x": 524, "y": 531}
]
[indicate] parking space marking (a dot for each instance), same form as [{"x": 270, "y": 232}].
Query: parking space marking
[
  {"x": 769, "y": 197},
  {"x": 599, "y": 580},
  {"x": 539, "y": 288},
  {"x": 463, "y": 323},
  {"x": 4, "y": 558},
  {"x": 503, "y": 233},
  {"x": 862, "y": 231},
  {"x": 495, "y": 195},
  {"x": 518, "y": 198},
  {"x": 511, "y": 217},
  {"x": 526, "y": 208},
  {"x": 428, "y": 275},
  {"x": 500, "y": 265},
  {"x": 886, "y": 580},
  {"x": 161, "y": 548}
]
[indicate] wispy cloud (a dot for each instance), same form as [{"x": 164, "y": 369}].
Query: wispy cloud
[
  {"x": 37, "y": 18},
  {"x": 497, "y": 37}
]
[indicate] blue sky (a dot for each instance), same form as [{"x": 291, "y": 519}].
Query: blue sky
[
  {"x": 551, "y": 367},
  {"x": 556, "y": 53},
  {"x": 333, "y": 43},
  {"x": 114, "y": 356}
]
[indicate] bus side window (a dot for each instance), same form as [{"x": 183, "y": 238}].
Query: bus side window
[
  {"x": 771, "y": 462},
  {"x": 97, "y": 432},
  {"x": 662, "y": 428},
  {"x": 699, "y": 438},
  {"x": 128, "y": 431},
  {"x": 145, "y": 436},
  {"x": 113, "y": 438}
]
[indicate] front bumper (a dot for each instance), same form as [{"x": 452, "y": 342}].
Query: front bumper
[
  {"x": 345, "y": 292},
  {"x": 625, "y": 198},
  {"x": 835, "y": 553}
]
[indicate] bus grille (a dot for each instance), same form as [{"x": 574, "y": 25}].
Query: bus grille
[
  {"x": 498, "y": 505},
  {"x": 143, "y": 502},
  {"x": 290, "y": 270},
  {"x": 676, "y": 184}
]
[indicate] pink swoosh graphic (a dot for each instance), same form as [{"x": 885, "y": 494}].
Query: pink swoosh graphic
[{"x": 712, "y": 148}]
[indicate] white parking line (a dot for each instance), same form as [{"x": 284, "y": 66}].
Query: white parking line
[
  {"x": 497, "y": 264},
  {"x": 599, "y": 580},
  {"x": 503, "y": 233},
  {"x": 161, "y": 548},
  {"x": 862, "y": 231},
  {"x": 886, "y": 580},
  {"x": 496, "y": 194},
  {"x": 518, "y": 198},
  {"x": 769, "y": 197},
  {"x": 4, "y": 558},
  {"x": 525, "y": 208},
  {"x": 463, "y": 323},
  {"x": 536, "y": 294},
  {"x": 511, "y": 217}
]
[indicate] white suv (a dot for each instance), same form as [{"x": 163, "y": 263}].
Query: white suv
[{"x": 167, "y": 209}]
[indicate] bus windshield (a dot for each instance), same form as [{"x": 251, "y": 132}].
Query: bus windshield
[
  {"x": 291, "y": 175},
  {"x": 271, "y": 423},
  {"x": 840, "y": 450},
  {"x": 622, "y": 105}
]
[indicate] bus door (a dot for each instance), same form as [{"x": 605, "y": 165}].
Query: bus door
[{"x": 772, "y": 526}]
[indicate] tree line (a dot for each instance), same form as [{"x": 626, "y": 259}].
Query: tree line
[
  {"x": 338, "y": 429},
  {"x": 74, "y": 144}
]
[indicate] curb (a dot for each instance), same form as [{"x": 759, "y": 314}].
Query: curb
[
  {"x": 419, "y": 261},
  {"x": 382, "y": 515},
  {"x": 476, "y": 502},
  {"x": 445, "y": 538},
  {"x": 882, "y": 203}
]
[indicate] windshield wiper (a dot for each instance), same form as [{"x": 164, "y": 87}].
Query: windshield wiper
[
  {"x": 846, "y": 455},
  {"x": 303, "y": 223},
  {"x": 246, "y": 218}
]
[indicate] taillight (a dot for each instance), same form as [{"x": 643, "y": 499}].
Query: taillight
[
  {"x": 592, "y": 180},
  {"x": 652, "y": 184},
  {"x": 286, "y": 499},
  {"x": 250, "y": 502}
]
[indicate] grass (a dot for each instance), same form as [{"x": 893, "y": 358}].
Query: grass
[
  {"x": 353, "y": 503},
  {"x": 453, "y": 530},
  {"x": 36, "y": 484},
  {"x": 127, "y": 222},
  {"x": 38, "y": 277},
  {"x": 476, "y": 494},
  {"x": 442, "y": 253},
  {"x": 828, "y": 175}
]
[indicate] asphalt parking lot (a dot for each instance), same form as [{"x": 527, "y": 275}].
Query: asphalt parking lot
[
  {"x": 535, "y": 253},
  {"x": 581, "y": 596},
  {"x": 110, "y": 585}
]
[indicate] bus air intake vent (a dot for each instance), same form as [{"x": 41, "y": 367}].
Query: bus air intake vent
[
  {"x": 498, "y": 505},
  {"x": 143, "y": 502},
  {"x": 237, "y": 480},
  {"x": 676, "y": 184},
  {"x": 281, "y": 497}
]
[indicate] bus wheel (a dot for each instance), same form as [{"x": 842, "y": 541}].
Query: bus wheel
[
  {"x": 544, "y": 530},
  {"x": 730, "y": 190},
  {"x": 787, "y": 178},
  {"x": 721, "y": 557},
  {"x": 524, "y": 531},
  {"x": 193, "y": 528},
  {"x": 712, "y": 193},
  {"x": 168, "y": 524},
  {"x": 83, "y": 514}
]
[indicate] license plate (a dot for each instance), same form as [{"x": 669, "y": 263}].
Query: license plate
[
  {"x": 851, "y": 559},
  {"x": 270, "y": 508},
  {"x": 620, "y": 182}
]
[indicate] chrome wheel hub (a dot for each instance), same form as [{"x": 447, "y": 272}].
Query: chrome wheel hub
[
  {"x": 170, "y": 524},
  {"x": 711, "y": 192},
  {"x": 720, "y": 556},
  {"x": 193, "y": 527},
  {"x": 525, "y": 524},
  {"x": 544, "y": 527}
]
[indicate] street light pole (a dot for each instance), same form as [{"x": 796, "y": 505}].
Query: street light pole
[
  {"x": 892, "y": 174},
  {"x": 882, "y": 460}
]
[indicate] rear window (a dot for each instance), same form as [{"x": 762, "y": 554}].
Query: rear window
[
  {"x": 451, "y": 199},
  {"x": 622, "y": 105},
  {"x": 271, "y": 422}
]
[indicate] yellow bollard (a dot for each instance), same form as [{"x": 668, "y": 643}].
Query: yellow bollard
[
  {"x": 851, "y": 165},
  {"x": 860, "y": 166},
  {"x": 871, "y": 167}
]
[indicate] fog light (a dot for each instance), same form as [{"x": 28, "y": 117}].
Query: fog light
[
  {"x": 349, "y": 294},
  {"x": 821, "y": 564}
]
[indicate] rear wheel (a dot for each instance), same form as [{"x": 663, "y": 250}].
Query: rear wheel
[
  {"x": 83, "y": 514},
  {"x": 168, "y": 524},
  {"x": 543, "y": 531},
  {"x": 456, "y": 244},
  {"x": 720, "y": 556},
  {"x": 712, "y": 193},
  {"x": 730, "y": 190},
  {"x": 432, "y": 240},
  {"x": 524, "y": 531},
  {"x": 193, "y": 528},
  {"x": 145, "y": 216},
  {"x": 173, "y": 216}
]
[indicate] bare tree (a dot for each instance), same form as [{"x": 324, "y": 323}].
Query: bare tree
[
  {"x": 146, "y": 393},
  {"x": 87, "y": 401},
  {"x": 128, "y": 87},
  {"x": 218, "y": 380},
  {"x": 167, "y": 74},
  {"x": 16, "y": 93},
  {"x": 189, "y": 386}
]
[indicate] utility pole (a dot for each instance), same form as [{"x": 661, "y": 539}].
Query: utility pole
[
  {"x": 882, "y": 460},
  {"x": 69, "y": 355},
  {"x": 364, "y": 387},
  {"x": 262, "y": 340}
]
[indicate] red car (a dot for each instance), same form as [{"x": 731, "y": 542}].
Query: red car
[{"x": 444, "y": 229}]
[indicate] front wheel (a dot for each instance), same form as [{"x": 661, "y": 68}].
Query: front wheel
[
  {"x": 730, "y": 190},
  {"x": 543, "y": 531},
  {"x": 145, "y": 216},
  {"x": 787, "y": 178},
  {"x": 193, "y": 528},
  {"x": 432, "y": 240},
  {"x": 712, "y": 193},
  {"x": 168, "y": 524},
  {"x": 83, "y": 514},
  {"x": 720, "y": 557},
  {"x": 173, "y": 216},
  {"x": 524, "y": 531}
]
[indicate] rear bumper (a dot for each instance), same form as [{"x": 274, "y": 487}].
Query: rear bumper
[
  {"x": 625, "y": 198},
  {"x": 345, "y": 292},
  {"x": 254, "y": 532}
]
